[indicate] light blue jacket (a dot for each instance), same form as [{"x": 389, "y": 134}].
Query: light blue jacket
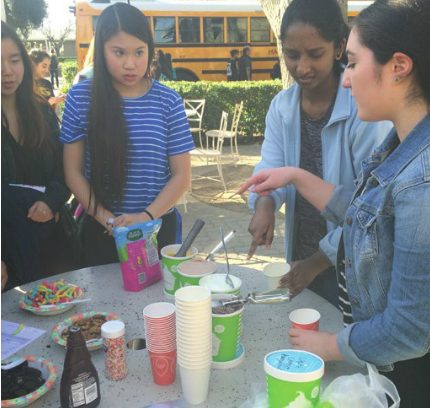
[
  {"x": 345, "y": 142},
  {"x": 387, "y": 252}
]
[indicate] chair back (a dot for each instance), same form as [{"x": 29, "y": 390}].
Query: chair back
[
  {"x": 198, "y": 106},
  {"x": 222, "y": 130},
  {"x": 236, "y": 118}
]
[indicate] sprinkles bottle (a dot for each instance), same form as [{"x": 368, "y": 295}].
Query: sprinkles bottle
[{"x": 113, "y": 333}]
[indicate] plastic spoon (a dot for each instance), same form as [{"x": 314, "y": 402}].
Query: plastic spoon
[
  {"x": 65, "y": 303},
  {"x": 229, "y": 236},
  {"x": 12, "y": 364}
]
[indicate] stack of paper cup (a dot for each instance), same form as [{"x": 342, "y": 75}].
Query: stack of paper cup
[
  {"x": 194, "y": 341},
  {"x": 160, "y": 328}
]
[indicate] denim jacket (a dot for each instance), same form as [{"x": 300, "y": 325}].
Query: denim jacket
[
  {"x": 387, "y": 252},
  {"x": 345, "y": 142}
]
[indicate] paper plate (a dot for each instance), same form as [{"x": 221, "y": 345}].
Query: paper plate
[
  {"x": 240, "y": 356},
  {"x": 49, "y": 374},
  {"x": 93, "y": 345},
  {"x": 57, "y": 309}
]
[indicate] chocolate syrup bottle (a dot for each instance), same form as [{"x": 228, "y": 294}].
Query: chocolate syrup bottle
[{"x": 80, "y": 386}]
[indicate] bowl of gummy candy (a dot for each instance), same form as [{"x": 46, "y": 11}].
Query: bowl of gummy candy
[
  {"x": 26, "y": 382},
  {"x": 54, "y": 296}
]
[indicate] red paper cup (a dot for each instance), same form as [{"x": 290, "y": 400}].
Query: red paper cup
[
  {"x": 306, "y": 319},
  {"x": 163, "y": 367}
]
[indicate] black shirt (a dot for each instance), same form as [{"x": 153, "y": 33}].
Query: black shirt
[
  {"x": 232, "y": 73},
  {"x": 42, "y": 167}
]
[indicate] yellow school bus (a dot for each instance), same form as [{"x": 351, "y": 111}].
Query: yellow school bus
[{"x": 199, "y": 35}]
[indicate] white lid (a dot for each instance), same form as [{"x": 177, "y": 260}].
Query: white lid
[
  {"x": 113, "y": 329},
  {"x": 294, "y": 365}
]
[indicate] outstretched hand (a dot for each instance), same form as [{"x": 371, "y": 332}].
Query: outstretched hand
[
  {"x": 266, "y": 181},
  {"x": 323, "y": 344}
]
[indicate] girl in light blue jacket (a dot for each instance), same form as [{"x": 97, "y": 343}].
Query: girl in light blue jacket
[{"x": 313, "y": 125}]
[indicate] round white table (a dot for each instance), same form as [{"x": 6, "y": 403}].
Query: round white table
[{"x": 265, "y": 330}]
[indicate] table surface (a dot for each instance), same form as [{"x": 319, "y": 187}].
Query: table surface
[{"x": 265, "y": 330}]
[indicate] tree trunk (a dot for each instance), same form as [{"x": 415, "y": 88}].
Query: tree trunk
[{"x": 274, "y": 10}]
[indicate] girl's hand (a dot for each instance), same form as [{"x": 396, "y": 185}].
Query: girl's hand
[
  {"x": 54, "y": 100},
  {"x": 297, "y": 279},
  {"x": 323, "y": 344},
  {"x": 262, "y": 225},
  {"x": 40, "y": 212},
  {"x": 303, "y": 272},
  {"x": 266, "y": 181},
  {"x": 125, "y": 220}
]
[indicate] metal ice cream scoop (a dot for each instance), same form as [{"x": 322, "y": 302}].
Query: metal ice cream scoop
[{"x": 271, "y": 296}]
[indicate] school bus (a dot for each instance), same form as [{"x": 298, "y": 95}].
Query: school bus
[{"x": 199, "y": 35}]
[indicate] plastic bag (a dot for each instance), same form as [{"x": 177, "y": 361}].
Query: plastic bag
[
  {"x": 138, "y": 255},
  {"x": 360, "y": 391}
]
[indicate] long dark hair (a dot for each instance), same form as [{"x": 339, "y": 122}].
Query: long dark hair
[
  {"x": 325, "y": 15},
  {"x": 34, "y": 128},
  {"x": 107, "y": 131},
  {"x": 387, "y": 27}
]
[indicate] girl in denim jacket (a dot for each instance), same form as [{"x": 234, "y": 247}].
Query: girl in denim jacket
[{"x": 385, "y": 251}]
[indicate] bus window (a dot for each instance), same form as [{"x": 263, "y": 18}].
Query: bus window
[
  {"x": 237, "y": 29},
  {"x": 213, "y": 28},
  {"x": 189, "y": 29},
  {"x": 164, "y": 30},
  {"x": 260, "y": 29}
]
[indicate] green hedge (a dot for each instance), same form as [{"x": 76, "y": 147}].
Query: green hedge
[
  {"x": 256, "y": 97},
  {"x": 69, "y": 69}
]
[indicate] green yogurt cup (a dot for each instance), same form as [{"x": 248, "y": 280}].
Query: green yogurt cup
[
  {"x": 226, "y": 334},
  {"x": 189, "y": 274},
  {"x": 170, "y": 264},
  {"x": 293, "y": 378}
]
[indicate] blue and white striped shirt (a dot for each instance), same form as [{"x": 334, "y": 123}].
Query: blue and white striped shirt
[{"x": 157, "y": 128}]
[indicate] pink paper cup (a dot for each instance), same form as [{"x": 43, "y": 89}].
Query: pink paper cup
[
  {"x": 163, "y": 367},
  {"x": 305, "y": 319}
]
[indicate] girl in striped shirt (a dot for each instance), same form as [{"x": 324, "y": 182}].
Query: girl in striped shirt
[{"x": 126, "y": 137}]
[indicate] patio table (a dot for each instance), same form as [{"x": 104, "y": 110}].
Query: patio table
[{"x": 265, "y": 330}]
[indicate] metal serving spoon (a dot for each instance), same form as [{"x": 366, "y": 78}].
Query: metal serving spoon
[{"x": 227, "y": 277}]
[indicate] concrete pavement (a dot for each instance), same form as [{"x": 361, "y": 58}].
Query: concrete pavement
[{"x": 219, "y": 215}]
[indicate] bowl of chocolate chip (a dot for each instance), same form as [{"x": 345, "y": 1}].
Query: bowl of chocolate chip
[{"x": 90, "y": 324}]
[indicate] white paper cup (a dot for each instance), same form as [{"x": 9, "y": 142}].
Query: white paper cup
[
  {"x": 193, "y": 294},
  {"x": 195, "y": 384},
  {"x": 274, "y": 272},
  {"x": 194, "y": 365}
]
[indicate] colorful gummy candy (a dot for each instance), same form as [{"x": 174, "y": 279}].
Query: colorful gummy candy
[{"x": 50, "y": 293}]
